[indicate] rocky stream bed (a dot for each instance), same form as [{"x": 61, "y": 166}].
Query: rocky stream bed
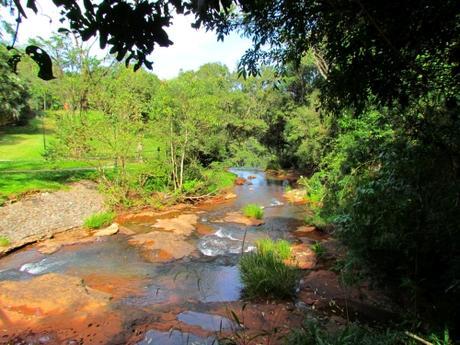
[{"x": 171, "y": 277}]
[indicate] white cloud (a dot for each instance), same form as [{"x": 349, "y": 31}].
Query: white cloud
[{"x": 191, "y": 49}]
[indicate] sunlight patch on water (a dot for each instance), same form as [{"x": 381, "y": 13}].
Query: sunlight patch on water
[{"x": 42, "y": 266}]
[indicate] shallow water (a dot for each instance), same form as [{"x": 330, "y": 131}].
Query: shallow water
[{"x": 209, "y": 276}]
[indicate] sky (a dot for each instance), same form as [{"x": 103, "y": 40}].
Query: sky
[{"x": 191, "y": 49}]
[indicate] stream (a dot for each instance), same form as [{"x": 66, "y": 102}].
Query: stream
[{"x": 173, "y": 302}]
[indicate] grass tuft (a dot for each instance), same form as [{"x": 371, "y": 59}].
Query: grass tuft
[
  {"x": 280, "y": 248},
  {"x": 265, "y": 275},
  {"x": 99, "y": 220},
  {"x": 253, "y": 211},
  {"x": 4, "y": 241}
]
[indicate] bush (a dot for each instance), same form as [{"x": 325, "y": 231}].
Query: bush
[
  {"x": 4, "y": 241},
  {"x": 280, "y": 248},
  {"x": 253, "y": 211},
  {"x": 265, "y": 275},
  {"x": 99, "y": 220}
]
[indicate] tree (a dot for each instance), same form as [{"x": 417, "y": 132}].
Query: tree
[
  {"x": 13, "y": 93},
  {"x": 193, "y": 105}
]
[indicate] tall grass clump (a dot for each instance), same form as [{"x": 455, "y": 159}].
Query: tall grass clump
[
  {"x": 253, "y": 211},
  {"x": 99, "y": 220},
  {"x": 265, "y": 275},
  {"x": 280, "y": 248}
]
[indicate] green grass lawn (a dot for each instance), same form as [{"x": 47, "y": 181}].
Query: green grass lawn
[
  {"x": 22, "y": 166},
  {"x": 25, "y": 142}
]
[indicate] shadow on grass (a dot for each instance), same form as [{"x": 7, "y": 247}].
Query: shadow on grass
[{"x": 15, "y": 184}]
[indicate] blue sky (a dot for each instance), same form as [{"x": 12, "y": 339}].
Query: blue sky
[{"x": 192, "y": 48}]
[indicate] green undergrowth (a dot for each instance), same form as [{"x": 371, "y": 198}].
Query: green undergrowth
[
  {"x": 99, "y": 220},
  {"x": 311, "y": 333},
  {"x": 265, "y": 275},
  {"x": 218, "y": 179},
  {"x": 253, "y": 211}
]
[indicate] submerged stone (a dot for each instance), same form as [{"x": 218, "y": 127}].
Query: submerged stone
[
  {"x": 175, "y": 338},
  {"x": 208, "y": 322}
]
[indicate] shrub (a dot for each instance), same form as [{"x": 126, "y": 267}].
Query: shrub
[
  {"x": 99, "y": 220},
  {"x": 264, "y": 275},
  {"x": 280, "y": 248},
  {"x": 4, "y": 241},
  {"x": 253, "y": 211}
]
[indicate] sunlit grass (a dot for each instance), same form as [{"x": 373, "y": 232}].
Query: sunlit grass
[
  {"x": 265, "y": 275},
  {"x": 280, "y": 248},
  {"x": 99, "y": 220},
  {"x": 253, "y": 211}
]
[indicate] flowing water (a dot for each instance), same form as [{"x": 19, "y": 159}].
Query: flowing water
[{"x": 188, "y": 286}]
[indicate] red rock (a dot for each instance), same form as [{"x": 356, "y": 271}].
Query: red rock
[
  {"x": 302, "y": 257},
  {"x": 239, "y": 218},
  {"x": 240, "y": 181},
  {"x": 159, "y": 246}
]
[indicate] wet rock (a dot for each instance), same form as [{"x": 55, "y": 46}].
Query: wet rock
[
  {"x": 162, "y": 246},
  {"x": 175, "y": 337},
  {"x": 296, "y": 196},
  {"x": 240, "y": 181},
  {"x": 323, "y": 290},
  {"x": 252, "y": 177},
  {"x": 302, "y": 257},
  {"x": 115, "y": 285},
  {"x": 204, "y": 229},
  {"x": 108, "y": 231},
  {"x": 310, "y": 234},
  {"x": 304, "y": 230},
  {"x": 125, "y": 231},
  {"x": 239, "y": 218},
  {"x": 181, "y": 225},
  {"x": 46, "y": 296},
  {"x": 66, "y": 238},
  {"x": 73, "y": 237},
  {"x": 229, "y": 196},
  {"x": 206, "y": 321}
]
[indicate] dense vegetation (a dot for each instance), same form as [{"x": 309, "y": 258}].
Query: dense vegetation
[
  {"x": 383, "y": 154},
  {"x": 152, "y": 141}
]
